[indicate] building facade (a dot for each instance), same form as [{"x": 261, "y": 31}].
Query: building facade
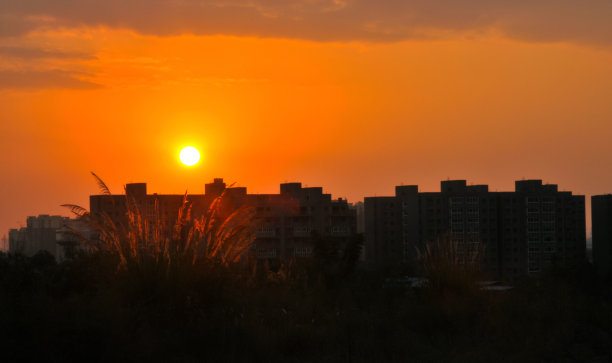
[
  {"x": 601, "y": 211},
  {"x": 40, "y": 234},
  {"x": 285, "y": 221},
  {"x": 516, "y": 233}
]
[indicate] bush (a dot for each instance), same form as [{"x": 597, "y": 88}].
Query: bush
[{"x": 451, "y": 268}]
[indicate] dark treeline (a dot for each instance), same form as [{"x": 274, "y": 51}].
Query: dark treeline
[{"x": 321, "y": 309}]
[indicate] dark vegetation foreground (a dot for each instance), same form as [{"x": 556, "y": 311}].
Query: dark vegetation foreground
[{"x": 85, "y": 310}]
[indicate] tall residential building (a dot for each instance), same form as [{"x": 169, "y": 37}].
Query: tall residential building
[
  {"x": 359, "y": 210},
  {"x": 517, "y": 233},
  {"x": 285, "y": 221},
  {"x": 601, "y": 208}
]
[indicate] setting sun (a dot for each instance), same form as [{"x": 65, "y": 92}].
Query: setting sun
[{"x": 189, "y": 155}]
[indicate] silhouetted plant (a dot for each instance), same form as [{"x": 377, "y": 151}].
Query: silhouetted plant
[
  {"x": 450, "y": 265},
  {"x": 71, "y": 311},
  {"x": 148, "y": 242},
  {"x": 335, "y": 258}
]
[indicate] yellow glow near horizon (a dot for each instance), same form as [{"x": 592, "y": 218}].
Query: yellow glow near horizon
[
  {"x": 189, "y": 155},
  {"x": 355, "y": 118}
]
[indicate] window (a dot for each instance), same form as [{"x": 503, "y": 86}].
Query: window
[{"x": 302, "y": 251}]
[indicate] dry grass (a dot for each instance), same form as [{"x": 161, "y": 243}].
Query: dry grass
[
  {"x": 151, "y": 242},
  {"x": 449, "y": 264}
]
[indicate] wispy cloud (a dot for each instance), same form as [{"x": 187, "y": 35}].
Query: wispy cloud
[
  {"x": 49, "y": 79},
  {"x": 37, "y": 53}
]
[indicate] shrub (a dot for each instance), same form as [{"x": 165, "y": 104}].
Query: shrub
[{"x": 450, "y": 266}]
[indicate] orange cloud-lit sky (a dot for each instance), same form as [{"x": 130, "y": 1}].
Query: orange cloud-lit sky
[{"x": 354, "y": 96}]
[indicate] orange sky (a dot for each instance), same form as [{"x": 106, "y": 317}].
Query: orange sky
[{"x": 356, "y": 116}]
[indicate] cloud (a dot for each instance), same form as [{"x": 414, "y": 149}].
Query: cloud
[
  {"x": 14, "y": 24},
  {"x": 38, "y": 53},
  {"x": 50, "y": 79},
  {"x": 586, "y": 21}
]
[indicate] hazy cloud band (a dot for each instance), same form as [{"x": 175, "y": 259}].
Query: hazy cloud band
[{"x": 586, "y": 21}]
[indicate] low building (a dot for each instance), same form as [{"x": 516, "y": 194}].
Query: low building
[{"x": 38, "y": 235}]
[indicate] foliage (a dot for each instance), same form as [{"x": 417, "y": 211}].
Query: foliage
[
  {"x": 336, "y": 259},
  {"x": 82, "y": 310},
  {"x": 146, "y": 243},
  {"x": 451, "y": 267}
]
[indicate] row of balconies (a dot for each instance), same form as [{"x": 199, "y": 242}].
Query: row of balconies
[
  {"x": 272, "y": 252},
  {"x": 300, "y": 231}
]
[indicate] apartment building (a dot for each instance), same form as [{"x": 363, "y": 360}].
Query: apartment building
[
  {"x": 285, "y": 221},
  {"x": 601, "y": 208},
  {"x": 515, "y": 233}
]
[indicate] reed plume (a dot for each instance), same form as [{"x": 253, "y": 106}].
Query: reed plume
[
  {"x": 147, "y": 240},
  {"x": 450, "y": 264}
]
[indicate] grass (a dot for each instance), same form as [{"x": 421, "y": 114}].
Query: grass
[
  {"x": 451, "y": 267},
  {"x": 149, "y": 243},
  {"x": 84, "y": 309}
]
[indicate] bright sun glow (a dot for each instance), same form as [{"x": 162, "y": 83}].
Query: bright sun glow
[{"x": 189, "y": 155}]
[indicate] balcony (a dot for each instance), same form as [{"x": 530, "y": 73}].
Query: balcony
[
  {"x": 340, "y": 230},
  {"x": 302, "y": 231}
]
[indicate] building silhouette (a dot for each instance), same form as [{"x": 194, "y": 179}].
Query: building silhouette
[
  {"x": 601, "y": 208},
  {"x": 40, "y": 234},
  {"x": 285, "y": 221},
  {"x": 521, "y": 232}
]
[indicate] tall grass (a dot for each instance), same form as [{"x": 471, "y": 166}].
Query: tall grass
[
  {"x": 143, "y": 241},
  {"x": 449, "y": 265}
]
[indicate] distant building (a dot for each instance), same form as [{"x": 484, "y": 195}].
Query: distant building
[
  {"x": 38, "y": 235},
  {"x": 286, "y": 221},
  {"x": 358, "y": 207},
  {"x": 601, "y": 208},
  {"x": 70, "y": 238},
  {"x": 359, "y": 213},
  {"x": 520, "y": 232}
]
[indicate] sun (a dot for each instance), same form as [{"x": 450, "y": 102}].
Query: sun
[{"x": 189, "y": 155}]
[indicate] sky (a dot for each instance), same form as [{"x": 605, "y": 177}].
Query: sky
[{"x": 355, "y": 96}]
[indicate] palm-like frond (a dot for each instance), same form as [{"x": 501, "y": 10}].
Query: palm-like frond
[
  {"x": 76, "y": 209},
  {"x": 103, "y": 187}
]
